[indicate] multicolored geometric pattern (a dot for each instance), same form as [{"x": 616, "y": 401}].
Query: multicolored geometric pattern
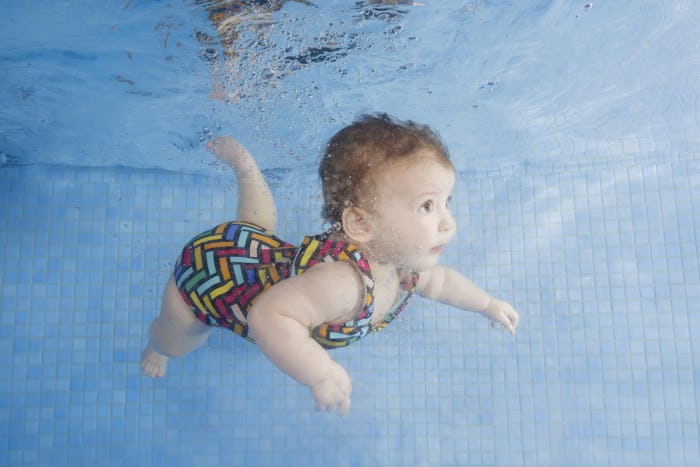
[
  {"x": 408, "y": 285},
  {"x": 322, "y": 249},
  {"x": 314, "y": 250},
  {"x": 222, "y": 271}
]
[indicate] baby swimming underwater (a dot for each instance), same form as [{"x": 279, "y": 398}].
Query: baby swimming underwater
[{"x": 386, "y": 191}]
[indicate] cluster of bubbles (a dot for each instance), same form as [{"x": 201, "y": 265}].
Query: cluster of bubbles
[
  {"x": 257, "y": 44},
  {"x": 270, "y": 59}
]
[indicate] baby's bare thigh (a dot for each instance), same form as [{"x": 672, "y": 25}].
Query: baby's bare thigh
[{"x": 175, "y": 312}]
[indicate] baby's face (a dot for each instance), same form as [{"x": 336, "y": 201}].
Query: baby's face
[{"x": 412, "y": 221}]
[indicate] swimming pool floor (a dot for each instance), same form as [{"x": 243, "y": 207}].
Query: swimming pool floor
[{"x": 602, "y": 264}]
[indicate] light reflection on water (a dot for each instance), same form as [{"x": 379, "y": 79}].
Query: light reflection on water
[{"x": 508, "y": 86}]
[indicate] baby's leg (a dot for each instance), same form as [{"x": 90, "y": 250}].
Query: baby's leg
[
  {"x": 255, "y": 202},
  {"x": 175, "y": 332}
]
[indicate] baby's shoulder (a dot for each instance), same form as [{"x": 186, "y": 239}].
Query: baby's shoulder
[{"x": 326, "y": 249}]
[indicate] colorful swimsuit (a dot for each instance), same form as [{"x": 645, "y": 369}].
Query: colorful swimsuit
[{"x": 222, "y": 271}]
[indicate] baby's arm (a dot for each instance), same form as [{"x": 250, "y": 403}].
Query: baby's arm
[
  {"x": 451, "y": 287},
  {"x": 281, "y": 319}
]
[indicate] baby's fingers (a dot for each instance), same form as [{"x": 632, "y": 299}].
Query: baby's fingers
[
  {"x": 508, "y": 325},
  {"x": 503, "y": 313},
  {"x": 514, "y": 318},
  {"x": 331, "y": 396},
  {"x": 342, "y": 405},
  {"x": 509, "y": 319},
  {"x": 505, "y": 322}
]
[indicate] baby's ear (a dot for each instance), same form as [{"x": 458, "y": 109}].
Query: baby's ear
[{"x": 357, "y": 224}]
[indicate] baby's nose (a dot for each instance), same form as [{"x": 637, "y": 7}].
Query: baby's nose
[{"x": 447, "y": 222}]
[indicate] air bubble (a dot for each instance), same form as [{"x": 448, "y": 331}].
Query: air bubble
[{"x": 209, "y": 53}]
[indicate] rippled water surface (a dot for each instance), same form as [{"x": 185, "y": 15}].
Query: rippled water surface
[{"x": 141, "y": 84}]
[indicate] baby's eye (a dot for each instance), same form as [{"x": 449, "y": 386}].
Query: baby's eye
[
  {"x": 448, "y": 202},
  {"x": 427, "y": 206}
]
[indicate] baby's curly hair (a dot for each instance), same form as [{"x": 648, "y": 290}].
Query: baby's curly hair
[{"x": 361, "y": 148}]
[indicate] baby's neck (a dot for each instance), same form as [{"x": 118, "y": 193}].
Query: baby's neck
[{"x": 378, "y": 264}]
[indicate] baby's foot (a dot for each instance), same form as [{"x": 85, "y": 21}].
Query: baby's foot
[
  {"x": 153, "y": 364},
  {"x": 232, "y": 152}
]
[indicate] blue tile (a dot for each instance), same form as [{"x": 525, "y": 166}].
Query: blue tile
[{"x": 600, "y": 358}]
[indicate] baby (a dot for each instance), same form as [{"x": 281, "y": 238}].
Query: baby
[{"x": 386, "y": 188}]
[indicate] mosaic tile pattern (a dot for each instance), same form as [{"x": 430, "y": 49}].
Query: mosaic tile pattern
[{"x": 602, "y": 264}]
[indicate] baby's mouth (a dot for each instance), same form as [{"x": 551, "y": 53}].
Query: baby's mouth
[{"x": 437, "y": 249}]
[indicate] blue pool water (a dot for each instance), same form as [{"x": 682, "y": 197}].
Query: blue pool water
[{"x": 575, "y": 131}]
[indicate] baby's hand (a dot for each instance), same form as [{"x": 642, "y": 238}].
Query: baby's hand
[
  {"x": 502, "y": 312},
  {"x": 333, "y": 392}
]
